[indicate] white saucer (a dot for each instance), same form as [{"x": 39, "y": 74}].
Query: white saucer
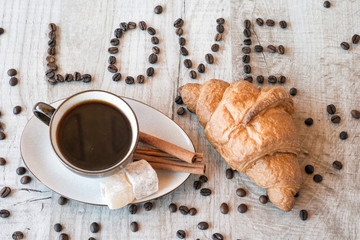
[{"x": 43, "y": 163}]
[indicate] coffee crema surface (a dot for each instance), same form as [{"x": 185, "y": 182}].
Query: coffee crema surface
[{"x": 94, "y": 135}]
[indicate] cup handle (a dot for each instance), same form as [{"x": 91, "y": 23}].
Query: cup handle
[{"x": 43, "y": 112}]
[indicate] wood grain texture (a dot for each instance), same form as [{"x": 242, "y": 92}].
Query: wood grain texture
[{"x": 314, "y": 63}]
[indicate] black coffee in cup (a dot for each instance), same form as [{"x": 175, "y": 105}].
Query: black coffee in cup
[{"x": 94, "y": 135}]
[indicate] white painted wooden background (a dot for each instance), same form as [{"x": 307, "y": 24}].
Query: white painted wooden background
[{"x": 314, "y": 64}]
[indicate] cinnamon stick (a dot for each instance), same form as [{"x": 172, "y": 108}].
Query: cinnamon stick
[
  {"x": 159, "y": 153},
  {"x": 170, "y": 148},
  {"x": 172, "y": 165}
]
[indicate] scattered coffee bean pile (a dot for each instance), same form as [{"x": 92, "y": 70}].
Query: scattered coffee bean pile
[
  {"x": 209, "y": 58},
  {"x": 50, "y": 73},
  {"x": 355, "y": 40},
  {"x": 335, "y": 119},
  {"x": 153, "y": 57}
]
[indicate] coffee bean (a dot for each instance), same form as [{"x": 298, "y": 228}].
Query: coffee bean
[
  {"x": 192, "y": 74},
  {"x": 2, "y": 161},
  {"x": 182, "y": 41},
  {"x": 247, "y": 24},
  {"x": 113, "y": 50},
  {"x": 247, "y": 42},
  {"x": 258, "y": 48},
  {"x": 13, "y": 81},
  {"x": 246, "y": 59},
  {"x": 184, "y": 51},
  {"x": 246, "y": 50},
  {"x": 17, "y": 110},
  {"x": 1, "y": 31},
  {"x": 331, "y": 109},
  {"x": 2, "y": 135},
  {"x": 68, "y": 77},
  {"x": 178, "y": 100},
  {"x": 184, "y": 210},
  {"x": 205, "y": 192},
  {"x": 283, "y": 24},
  {"x": 209, "y": 58},
  {"x": 50, "y": 59},
  {"x": 52, "y": 66},
  {"x": 270, "y": 23},
  {"x": 151, "y": 31},
  {"x": 20, "y": 171},
  {"x": 179, "y": 31},
  {"x": 355, "y": 39},
  {"x": 297, "y": 195},
  {"x": 62, "y": 200},
  {"x": 345, "y": 45},
  {"x": 123, "y": 26},
  {"x": 142, "y": 25},
  {"x": 335, "y": 119},
  {"x": 309, "y": 121},
  {"x": 229, "y": 173},
  {"x": 172, "y": 207},
  {"x": 271, "y": 49},
  {"x": 118, "y": 33},
  {"x": 133, "y": 209},
  {"x": 153, "y": 58},
  {"x": 52, "y": 81},
  {"x": 140, "y": 79},
  {"x": 317, "y": 178},
  {"x": 197, "y": 185},
  {"x": 52, "y": 42},
  {"x": 259, "y": 21},
  {"x": 215, "y": 47},
  {"x": 192, "y": 211},
  {"x": 201, "y": 68},
  {"x": 220, "y": 28},
  {"x": 4, "y": 213},
  {"x": 129, "y": 80},
  {"x": 50, "y": 73},
  {"x": 249, "y": 79},
  {"x": 303, "y": 215},
  {"x": 224, "y": 208},
  {"x": 77, "y": 76},
  {"x": 11, "y": 72},
  {"x": 115, "y": 41},
  {"x": 272, "y": 79},
  {"x": 131, "y": 25},
  {"x": 63, "y": 236},
  {"x": 293, "y": 91},
  {"x": 181, "y": 234},
  {"x": 158, "y": 9},
  {"x": 58, "y": 227},
  {"x": 247, "y": 33},
  {"x": 180, "y": 111},
  {"x": 148, "y": 206},
  {"x": 309, "y": 169},
  {"x": 355, "y": 114},
  {"x": 218, "y": 37},
  {"x": 281, "y": 49},
  {"x": 337, "y": 165},
  {"x": 326, "y": 4},
  {"x": 203, "y": 225},
  {"x": 59, "y": 78},
  {"x": 52, "y": 27},
  {"x": 94, "y": 227},
  {"x": 242, "y": 208},
  {"x": 343, "y": 135},
  {"x": 203, "y": 179},
  {"x": 220, "y": 21},
  {"x": 4, "y": 192},
  {"x": 260, "y": 79},
  {"x": 217, "y": 236},
  {"x": 52, "y": 35},
  {"x": 187, "y": 63},
  {"x": 178, "y": 23},
  {"x": 112, "y": 68},
  {"x": 240, "y": 192},
  {"x": 91, "y": 238},
  {"x": 156, "y": 50},
  {"x": 51, "y": 51},
  {"x": 25, "y": 180},
  {"x": 155, "y": 40},
  {"x": 17, "y": 235},
  {"x": 86, "y": 78},
  {"x": 282, "y": 79},
  {"x": 112, "y": 60},
  {"x": 150, "y": 72},
  {"x": 134, "y": 226},
  {"x": 263, "y": 199}
]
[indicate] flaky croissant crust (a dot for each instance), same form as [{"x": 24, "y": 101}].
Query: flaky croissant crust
[{"x": 253, "y": 131}]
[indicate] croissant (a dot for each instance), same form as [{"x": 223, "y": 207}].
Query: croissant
[{"x": 253, "y": 131}]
